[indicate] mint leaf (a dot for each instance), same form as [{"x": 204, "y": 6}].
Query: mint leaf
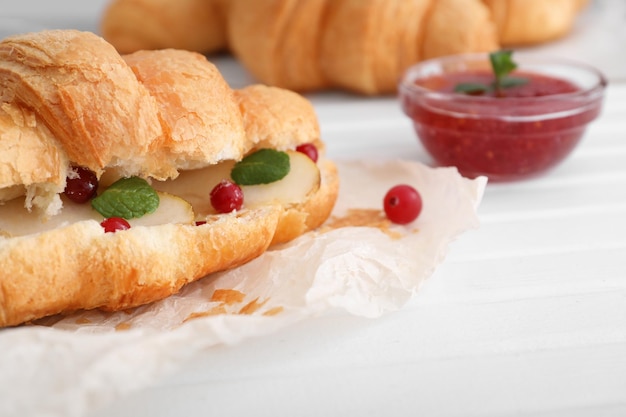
[
  {"x": 127, "y": 198},
  {"x": 502, "y": 65},
  {"x": 471, "y": 88},
  {"x": 261, "y": 167},
  {"x": 508, "y": 82}
]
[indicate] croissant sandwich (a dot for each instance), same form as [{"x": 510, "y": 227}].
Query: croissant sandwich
[
  {"x": 361, "y": 46},
  {"x": 122, "y": 177}
]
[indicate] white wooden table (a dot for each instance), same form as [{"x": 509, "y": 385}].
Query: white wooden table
[{"x": 526, "y": 317}]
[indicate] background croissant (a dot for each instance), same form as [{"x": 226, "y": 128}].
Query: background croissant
[{"x": 356, "y": 45}]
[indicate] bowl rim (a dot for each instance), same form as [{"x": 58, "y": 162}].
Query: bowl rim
[{"x": 407, "y": 86}]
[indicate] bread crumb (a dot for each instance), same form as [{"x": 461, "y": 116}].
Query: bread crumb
[
  {"x": 252, "y": 306},
  {"x": 227, "y": 296},
  {"x": 227, "y": 300},
  {"x": 274, "y": 311},
  {"x": 364, "y": 218},
  {"x": 220, "y": 309},
  {"x": 123, "y": 326}
]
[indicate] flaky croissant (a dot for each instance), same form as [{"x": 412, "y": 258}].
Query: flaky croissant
[
  {"x": 69, "y": 99},
  {"x": 357, "y": 45},
  {"x": 304, "y": 45},
  {"x": 529, "y": 22}
]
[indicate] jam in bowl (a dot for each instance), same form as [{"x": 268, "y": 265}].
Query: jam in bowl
[{"x": 503, "y": 133}]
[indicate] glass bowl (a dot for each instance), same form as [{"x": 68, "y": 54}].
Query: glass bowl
[{"x": 503, "y": 138}]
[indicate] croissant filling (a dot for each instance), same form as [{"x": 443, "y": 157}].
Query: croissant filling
[{"x": 183, "y": 200}]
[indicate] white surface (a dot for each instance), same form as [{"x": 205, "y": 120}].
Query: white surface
[{"x": 526, "y": 317}]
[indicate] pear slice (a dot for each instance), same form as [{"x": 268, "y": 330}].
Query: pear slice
[
  {"x": 15, "y": 220},
  {"x": 195, "y": 185},
  {"x": 172, "y": 209},
  {"x": 303, "y": 179}
]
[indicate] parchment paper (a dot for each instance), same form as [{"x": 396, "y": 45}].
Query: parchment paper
[{"x": 68, "y": 366}]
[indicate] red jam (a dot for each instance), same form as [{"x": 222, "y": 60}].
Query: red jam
[{"x": 512, "y": 134}]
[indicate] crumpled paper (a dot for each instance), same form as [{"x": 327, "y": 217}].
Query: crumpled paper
[{"x": 69, "y": 366}]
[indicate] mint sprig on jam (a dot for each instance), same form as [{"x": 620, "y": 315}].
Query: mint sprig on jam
[
  {"x": 261, "y": 167},
  {"x": 502, "y": 65},
  {"x": 127, "y": 198}
]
